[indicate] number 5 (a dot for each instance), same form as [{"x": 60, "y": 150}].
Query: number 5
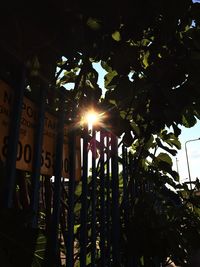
[{"x": 48, "y": 160}]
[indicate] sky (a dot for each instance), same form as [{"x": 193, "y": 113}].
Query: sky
[{"x": 193, "y": 150}]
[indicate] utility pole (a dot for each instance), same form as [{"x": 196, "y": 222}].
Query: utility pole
[{"x": 188, "y": 166}]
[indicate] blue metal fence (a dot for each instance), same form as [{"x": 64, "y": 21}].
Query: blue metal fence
[{"x": 80, "y": 221}]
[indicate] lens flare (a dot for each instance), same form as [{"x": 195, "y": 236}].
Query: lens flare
[{"x": 92, "y": 117}]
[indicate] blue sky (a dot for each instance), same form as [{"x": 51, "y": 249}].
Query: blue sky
[{"x": 193, "y": 149}]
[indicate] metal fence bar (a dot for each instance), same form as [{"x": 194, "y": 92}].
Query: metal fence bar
[
  {"x": 125, "y": 184},
  {"x": 54, "y": 246},
  {"x": 132, "y": 193},
  {"x": 115, "y": 202},
  {"x": 19, "y": 86},
  {"x": 126, "y": 172},
  {"x": 108, "y": 202},
  {"x": 84, "y": 202},
  {"x": 93, "y": 201},
  {"x": 71, "y": 200},
  {"x": 102, "y": 200},
  {"x": 48, "y": 200},
  {"x": 35, "y": 178},
  {"x": 133, "y": 190}
]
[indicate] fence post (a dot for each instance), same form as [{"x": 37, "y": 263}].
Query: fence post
[
  {"x": 125, "y": 202},
  {"x": 133, "y": 185},
  {"x": 35, "y": 178},
  {"x": 84, "y": 202},
  {"x": 70, "y": 218},
  {"x": 93, "y": 200},
  {"x": 19, "y": 86},
  {"x": 108, "y": 202},
  {"x": 53, "y": 256},
  {"x": 102, "y": 199},
  {"x": 115, "y": 202}
]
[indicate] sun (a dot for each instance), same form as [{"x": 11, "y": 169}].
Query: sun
[{"x": 92, "y": 117}]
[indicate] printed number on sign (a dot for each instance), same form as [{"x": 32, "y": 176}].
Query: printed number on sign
[
  {"x": 47, "y": 159},
  {"x": 24, "y": 152}
]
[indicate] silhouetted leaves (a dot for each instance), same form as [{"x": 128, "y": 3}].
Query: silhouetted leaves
[{"x": 151, "y": 53}]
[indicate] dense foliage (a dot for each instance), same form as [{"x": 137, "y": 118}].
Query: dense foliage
[{"x": 150, "y": 51}]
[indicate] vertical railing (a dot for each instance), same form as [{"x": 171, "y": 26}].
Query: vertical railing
[
  {"x": 115, "y": 202},
  {"x": 71, "y": 200},
  {"x": 133, "y": 190},
  {"x": 54, "y": 257},
  {"x": 84, "y": 202},
  {"x": 35, "y": 179},
  {"x": 10, "y": 176},
  {"x": 93, "y": 200},
  {"x": 108, "y": 202},
  {"x": 102, "y": 200},
  {"x": 125, "y": 200}
]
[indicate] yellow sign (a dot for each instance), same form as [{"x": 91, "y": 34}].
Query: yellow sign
[{"x": 25, "y": 152}]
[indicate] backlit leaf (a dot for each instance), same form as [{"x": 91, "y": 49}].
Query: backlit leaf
[
  {"x": 116, "y": 36},
  {"x": 93, "y": 23},
  {"x": 164, "y": 157},
  {"x": 108, "y": 78}
]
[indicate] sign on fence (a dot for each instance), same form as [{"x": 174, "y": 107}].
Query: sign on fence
[{"x": 28, "y": 124}]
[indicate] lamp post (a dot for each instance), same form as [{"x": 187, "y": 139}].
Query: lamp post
[
  {"x": 177, "y": 165},
  {"x": 188, "y": 160}
]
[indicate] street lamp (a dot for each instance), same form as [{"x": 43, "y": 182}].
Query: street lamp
[{"x": 188, "y": 160}]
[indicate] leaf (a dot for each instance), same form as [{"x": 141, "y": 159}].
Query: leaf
[
  {"x": 93, "y": 23},
  {"x": 108, "y": 78},
  {"x": 145, "y": 59},
  {"x": 164, "y": 163},
  {"x": 149, "y": 143},
  {"x": 113, "y": 102},
  {"x": 188, "y": 120},
  {"x": 128, "y": 139},
  {"x": 93, "y": 75},
  {"x": 171, "y": 139},
  {"x": 116, "y": 36},
  {"x": 164, "y": 158},
  {"x": 105, "y": 66},
  {"x": 173, "y": 152},
  {"x": 175, "y": 175},
  {"x": 135, "y": 128},
  {"x": 125, "y": 58},
  {"x": 76, "y": 228},
  {"x": 142, "y": 261},
  {"x": 68, "y": 77},
  {"x": 177, "y": 130},
  {"x": 88, "y": 259},
  {"x": 39, "y": 250},
  {"x": 175, "y": 142}
]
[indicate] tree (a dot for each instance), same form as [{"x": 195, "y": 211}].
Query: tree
[{"x": 150, "y": 51}]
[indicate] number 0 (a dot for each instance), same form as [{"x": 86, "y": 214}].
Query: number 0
[{"x": 27, "y": 153}]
